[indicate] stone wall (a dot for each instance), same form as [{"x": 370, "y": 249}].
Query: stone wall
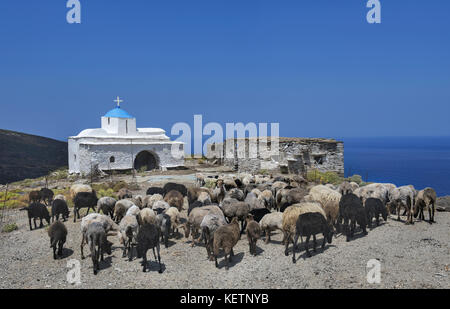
[{"x": 296, "y": 154}]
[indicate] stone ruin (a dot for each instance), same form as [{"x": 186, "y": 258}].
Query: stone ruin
[{"x": 293, "y": 155}]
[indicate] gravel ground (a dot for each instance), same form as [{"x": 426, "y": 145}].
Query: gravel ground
[{"x": 411, "y": 256}]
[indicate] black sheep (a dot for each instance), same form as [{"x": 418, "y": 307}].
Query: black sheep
[
  {"x": 175, "y": 186},
  {"x": 59, "y": 207},
  {"x": 46, "y": 195},
  {"x": 309, "y": 224},
  {"x": 155, "y": 190},
  {"x": 58, "y": 234},
  {"x": 82, "y": 200},
  {"x": 374, "y": 208},
  {"x": 352, "y": 211},
  {"x": 148, "y": 238},
  {"x": 37, "y": 210},
  {"x": 194, "y": 205},
  {"x": 259, "y": 213},
  {"x": 98, "y": 243}
]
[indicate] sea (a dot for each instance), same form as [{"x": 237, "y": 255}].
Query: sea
[{"x": 419, "y": 161}]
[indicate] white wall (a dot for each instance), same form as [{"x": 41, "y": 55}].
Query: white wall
[{"x": 124, "y": 155}]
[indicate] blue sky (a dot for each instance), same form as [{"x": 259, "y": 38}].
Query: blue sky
[{"x": 316, "y": 67}]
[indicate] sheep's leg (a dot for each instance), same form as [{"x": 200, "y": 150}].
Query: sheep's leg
[
  {"x": 364, "y": 229},
  {"x": 314, "y": 243},
  {"x": 60, "y": 248},
  {"x": 306, "y": 246},
  {"x": 295, "y": 245},
  {"x": 94, "y": 258},
  {"x": 81, "y": 247},
  {"x": 74, "y": 214},
  {"x": 54, "y": 252},
  {"x": 228, "y": 255},
  {"x": 324, "y": 241},
  {"x": 159, "y": 259},
  {"x": 125, "y": 246},
  {"x": 283, "y": 241},
  {"x": 430, "y": 220},
  {"x": 215, "y": 259},
  {"x": 346, "y": 229},
  {"x": 130, "y": 249},
  {"x": 432, "y": 212},
  {"x": 29, "y": 221},
  {"x": 286, "y": 253},
  {"x": 144, "y": 262},
  {"x": 35, "y": 225}
]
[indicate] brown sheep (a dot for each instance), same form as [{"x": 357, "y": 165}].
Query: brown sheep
[
  {"x": 426, "y": 199},
  {"x": 124, "y": 193},
  {"x": 175, "y": 199},
  {"x": 226, "y": 237},
  {"x": 34, "y": 197},
  {"x": 193, "y": 193},
  {"x": 253, "y": 233}
]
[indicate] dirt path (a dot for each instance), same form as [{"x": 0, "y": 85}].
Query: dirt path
[{"x": 416, "y": 256}]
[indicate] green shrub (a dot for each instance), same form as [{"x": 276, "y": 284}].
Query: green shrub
[
  {"x": 119, "y": 185},
  {"x": 323, "y": 177},
  {"x": 210, "y": 183},
  {"x": 8, "y": 228},
  {"x": 355, "y": 178},
  {"x": 108, "y": 192}
]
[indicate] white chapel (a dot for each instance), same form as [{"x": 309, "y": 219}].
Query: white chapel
[{"x": 119, "y": 145}]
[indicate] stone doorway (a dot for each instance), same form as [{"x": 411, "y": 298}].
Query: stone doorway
[{"x": 146, "y": 160}]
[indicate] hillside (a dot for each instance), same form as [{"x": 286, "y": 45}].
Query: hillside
[{"x": 29, "y": 156}]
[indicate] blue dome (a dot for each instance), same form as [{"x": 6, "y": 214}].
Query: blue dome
[{"x": 118, "y": 113}]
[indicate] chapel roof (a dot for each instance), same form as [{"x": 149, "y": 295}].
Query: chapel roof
[{"x": 118, "y": 113}]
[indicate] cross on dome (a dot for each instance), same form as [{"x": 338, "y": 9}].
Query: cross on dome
[{"x": 118, "y": 101}]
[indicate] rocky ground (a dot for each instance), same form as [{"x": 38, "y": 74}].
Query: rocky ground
[{"x": 411, "y": 256}]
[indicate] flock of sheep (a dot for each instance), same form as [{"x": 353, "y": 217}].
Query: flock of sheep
[{"x": 219, "y": 214}]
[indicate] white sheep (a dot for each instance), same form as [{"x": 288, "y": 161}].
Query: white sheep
[
  {"x": 290, "y": 216},
  {"x": 174, "y": 215},
  {"x": 329, "y": 199},
  {"x": 209, "y": 225},
  {"x": 271, "y": 222},
  {"x": 109, "y": 225},
  {"x": 149, "y": 200},
  {"x": 133, "y": 211},
  {"x": 76, "y": 188},
  {"x": 146, "y": 216},
  {"x": 121, "y": 208},
  {"x": 160, "y": 206},
  {"x": 129, "y": 227}
]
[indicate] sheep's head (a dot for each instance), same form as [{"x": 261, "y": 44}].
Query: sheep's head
[
  {"x": 249, "y": 218},
  {"x": 186, "y": 228}
]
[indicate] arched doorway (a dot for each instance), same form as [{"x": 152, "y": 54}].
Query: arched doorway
[{"x": 146, "y": 160}]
